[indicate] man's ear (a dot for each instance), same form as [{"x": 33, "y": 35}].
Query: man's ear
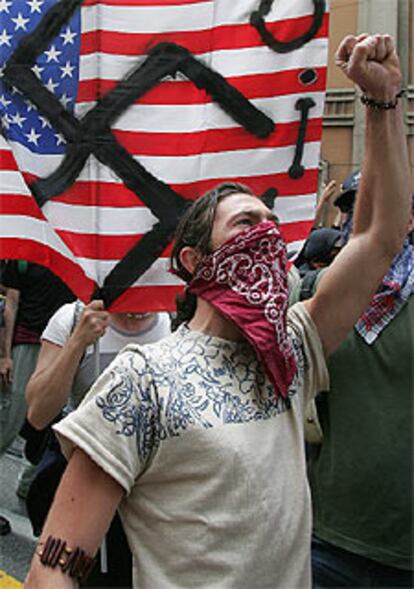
[{"x": 189, "y": 258}]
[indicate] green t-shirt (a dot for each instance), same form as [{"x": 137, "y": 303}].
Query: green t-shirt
[{"x": 362, "y": 480}]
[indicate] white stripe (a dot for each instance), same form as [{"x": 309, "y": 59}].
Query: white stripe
[
  {"x": 25, "y": 227},
  {"x": 11, "y": 182},
  {"x": 102, "y": 220},
  {"x": 295, "y": 208},
  {"x": 185, "y": 170},
  {"x": 189, "y": 17},
  {"x": 186, "y": 118},
  {"x": 113, "y": 221},
  {"x": 157, "y": 275},
  {"x": 229, "y": 63}
]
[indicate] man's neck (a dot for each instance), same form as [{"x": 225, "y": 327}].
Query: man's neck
[{"x": 209, "y": 321}]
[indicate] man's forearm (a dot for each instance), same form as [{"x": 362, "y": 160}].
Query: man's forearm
[
  {"x": 80, "y": 515},
  {"x": 10, "y": 313},
  {"x": 382, "y": 204},
  {"x": 48, "y": 389}
]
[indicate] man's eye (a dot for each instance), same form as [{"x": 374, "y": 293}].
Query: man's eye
[{"x": 245, "y": 221}]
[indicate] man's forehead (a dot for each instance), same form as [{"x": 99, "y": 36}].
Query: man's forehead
[{"x": 241, "y": 202}]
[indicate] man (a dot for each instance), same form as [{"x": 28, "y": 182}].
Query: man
[
  {"x": 33, "y": 294},
  {"x": 200, "y": 436},
  {"x": 362, "y": 476},
  {"x": 65, "y": 370}
]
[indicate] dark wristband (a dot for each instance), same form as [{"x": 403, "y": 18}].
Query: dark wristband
[
  {"x": 73, "y": 561},
  {"x": 382, "y": 105}
]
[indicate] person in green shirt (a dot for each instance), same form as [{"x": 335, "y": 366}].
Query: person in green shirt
[{"x": 362, "y": 476}]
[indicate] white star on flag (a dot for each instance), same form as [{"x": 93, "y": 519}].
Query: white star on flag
[
  {"x": 67, "y": 70},
  {"x": 36, "y": 69},
  {"x": 68, "y": 36},
  {"x": 53, "y": 54},
  {"x": 51, "y": 85},
  {"x": 32, "y": 137},
  {"x": 20, "y": 22},
  {"x": 45, "y": 122},
  {"x": 59, "y": 139},
  {"x": 4, "y": 6},
  {"x": 18, "y": 120},
  {"x": 5, "y": 38},
  {"x": 35, "y": 5},
  {"x": 65, "y": 99},
  {"x": 4, "y": 101}
]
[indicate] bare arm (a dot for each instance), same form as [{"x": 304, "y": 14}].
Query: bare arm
[
  {"x": 382, "y": 208},
  {"x": 81, "y": 513},
  {"x": 324, "y": 199},
  {"x": 49, "y": 386},
  {"x": 10, "y": 312}
]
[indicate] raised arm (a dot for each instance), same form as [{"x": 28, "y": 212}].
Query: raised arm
[
  {"x": 382, "y": 205},
  {"x": 80, "y": 515},
  {"x": 49, "y": 386}
]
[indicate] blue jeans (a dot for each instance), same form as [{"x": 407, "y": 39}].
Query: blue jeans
[{"x": 335, "y": 567}]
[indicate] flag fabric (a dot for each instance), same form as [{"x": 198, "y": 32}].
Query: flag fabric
[{"x": 169, "y": 87}]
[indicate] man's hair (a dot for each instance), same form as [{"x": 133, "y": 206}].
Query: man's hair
[{"x": 194, "y": 230}]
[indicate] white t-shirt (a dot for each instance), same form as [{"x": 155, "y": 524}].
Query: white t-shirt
[
  {"x": 211, "y": 460},
  {"x": 61, "y": 325}
]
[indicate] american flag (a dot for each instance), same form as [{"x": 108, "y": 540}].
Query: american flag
[{"x": 175, "y": 130}]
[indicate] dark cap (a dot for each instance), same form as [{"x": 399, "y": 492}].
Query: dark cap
[{"x": 345, "y": 201}]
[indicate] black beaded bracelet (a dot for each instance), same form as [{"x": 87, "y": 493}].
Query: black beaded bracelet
[{"x": 382, "y": 105}]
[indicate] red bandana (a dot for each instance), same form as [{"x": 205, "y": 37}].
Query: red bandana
[{"x": 246, "y": 281}]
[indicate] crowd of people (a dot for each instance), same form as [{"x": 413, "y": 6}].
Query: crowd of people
[{"x": 264, "y": 437}]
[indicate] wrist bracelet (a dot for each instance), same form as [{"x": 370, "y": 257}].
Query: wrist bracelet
[
  {"x": 73, "y": 561},
  {"x": 382, "y": 105}
]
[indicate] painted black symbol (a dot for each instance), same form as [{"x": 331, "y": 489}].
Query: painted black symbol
[
  {"x": 92, "y": 134},
  {"x": 268, "y": 197},
  {"x": 308, "y": 77},
  {"x": 304, "y": 105},
  {"x": 257, "y": 20}
]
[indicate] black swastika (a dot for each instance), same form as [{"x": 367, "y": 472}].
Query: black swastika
[{"x": 92, "y": 134}]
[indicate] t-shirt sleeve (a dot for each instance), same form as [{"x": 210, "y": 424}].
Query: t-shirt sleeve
[
  {"x": 59, "y": 327},
  {"x": 308, "y": 349},
  {"x": 117, "y": 423}
]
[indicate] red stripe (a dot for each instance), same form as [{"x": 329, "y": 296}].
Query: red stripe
[
  {"x": 111, "y": 194},
  {"x": 296, "y": 231},
  {"x": 184, "y": 92},
  {"x": 212, "y": 141},
  {"x": 7, "y": 161},
  {"x": 197, "y": 42},
  {"x": 147, "y": 298},
  {"x": 16, "y": 204},
  {"x": 32, "y": 251},
  {"x": 98, "y": 247}
]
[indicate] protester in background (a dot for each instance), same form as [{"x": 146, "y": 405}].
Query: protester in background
[
  {"x": 65, "y": 371},
  {"x": 33, "y": 293},
  {"x": 346, "y": 200},
  {"x": 201, "y": 436},
  {"x": 362, "y": 475}
]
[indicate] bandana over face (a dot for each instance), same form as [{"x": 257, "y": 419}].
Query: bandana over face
[{"x": 246, "y": 281}]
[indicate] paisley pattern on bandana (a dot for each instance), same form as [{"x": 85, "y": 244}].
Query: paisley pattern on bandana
[{"x": 246, "y": 280}]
